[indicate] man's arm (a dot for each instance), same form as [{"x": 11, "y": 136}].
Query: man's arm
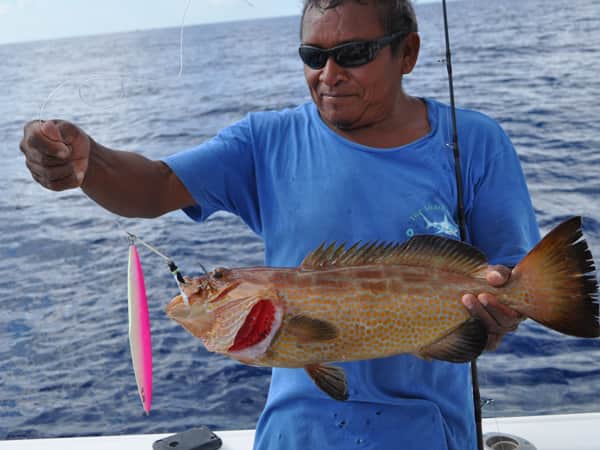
[{"x": 61, "y": 156}]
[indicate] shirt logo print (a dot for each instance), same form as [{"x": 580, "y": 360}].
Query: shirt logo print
[{"x": 444, "y": 227}]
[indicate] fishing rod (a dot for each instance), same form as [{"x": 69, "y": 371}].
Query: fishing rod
[{"x": 461, "y": 215}]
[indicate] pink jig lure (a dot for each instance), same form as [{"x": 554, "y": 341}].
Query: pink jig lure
[{"x": 139, "y": 329}]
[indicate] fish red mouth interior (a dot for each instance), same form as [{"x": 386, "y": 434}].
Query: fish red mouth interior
[{"x": 256, "y": 327}]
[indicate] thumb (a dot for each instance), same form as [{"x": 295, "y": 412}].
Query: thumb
[
  {"x": 69, "y": 133},
  {"x": 498, "y": 275},
  {"x": 60, "y": 131},
  {"x": 51, "y": 131}
]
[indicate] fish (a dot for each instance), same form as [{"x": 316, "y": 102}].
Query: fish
[
  {"x": 380, "y": 299},
  {"x": 139, "y": 329}
]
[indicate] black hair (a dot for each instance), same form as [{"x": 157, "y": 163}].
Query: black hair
[{"x": 395, "y": 15}]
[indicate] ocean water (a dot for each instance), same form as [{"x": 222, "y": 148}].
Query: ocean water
[{"x": 64, "y": 354}]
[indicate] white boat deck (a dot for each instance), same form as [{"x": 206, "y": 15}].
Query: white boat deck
[{"x": 553, "y": 432}]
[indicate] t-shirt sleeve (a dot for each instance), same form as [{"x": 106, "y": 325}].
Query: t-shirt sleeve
[
  {"x": 501, "y": 219},
  {"x": 220, "y": 175}
]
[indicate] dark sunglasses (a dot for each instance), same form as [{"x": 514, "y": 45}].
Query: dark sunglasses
[{"x": 350, "y": 54}]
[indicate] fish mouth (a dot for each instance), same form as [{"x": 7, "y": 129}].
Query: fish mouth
[
  {"x": 177, "y": 309},
  {"x": 193, "y": 316}
]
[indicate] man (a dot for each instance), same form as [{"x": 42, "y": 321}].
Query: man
[{"x": 363, "y": 161}]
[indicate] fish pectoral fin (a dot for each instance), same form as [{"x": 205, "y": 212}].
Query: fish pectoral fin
[
  {"x": 330, "y": 379},
  {"x": 307, "y": 329},
  {"x": 462, "y": 345}
]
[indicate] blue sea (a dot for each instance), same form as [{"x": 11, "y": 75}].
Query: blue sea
[{"x": 65, "y": 366}]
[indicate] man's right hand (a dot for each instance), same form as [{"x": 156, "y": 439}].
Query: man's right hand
[
  {"x": 56, "y": 153},
  {"x": 61, "y": 156}
]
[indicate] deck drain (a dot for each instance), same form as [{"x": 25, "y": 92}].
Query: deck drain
[{"x": 504, "y": 441}]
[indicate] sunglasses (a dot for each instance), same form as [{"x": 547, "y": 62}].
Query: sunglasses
[{"x": 350, "y": 54}]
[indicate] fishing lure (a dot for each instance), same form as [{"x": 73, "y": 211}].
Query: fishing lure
[
  {"x": 139, "y": 327},
  {"x": 139, "y": 322}
]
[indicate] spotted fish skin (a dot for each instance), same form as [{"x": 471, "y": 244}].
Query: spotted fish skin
[
  {"x": 378, "y": 311},
  {"x": 378, "y": 300}
]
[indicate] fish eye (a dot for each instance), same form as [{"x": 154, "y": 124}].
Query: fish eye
[{"x": 218, "y": 273}]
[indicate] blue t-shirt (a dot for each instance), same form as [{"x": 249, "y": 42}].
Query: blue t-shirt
[{"x": 297, "y": 183}]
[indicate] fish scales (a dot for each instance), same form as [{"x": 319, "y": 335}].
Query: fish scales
[
  {"x": 379, "y": 299},
  {"x": 379, "y": 311}
]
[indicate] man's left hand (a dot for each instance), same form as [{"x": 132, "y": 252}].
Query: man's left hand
[{"x": 498, "y": 319}]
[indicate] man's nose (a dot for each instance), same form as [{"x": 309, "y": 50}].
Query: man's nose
[{"x": 332, "y": 73}]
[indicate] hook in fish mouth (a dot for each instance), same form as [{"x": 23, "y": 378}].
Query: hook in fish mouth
[
  {"x": 195, "y": 315},
  {"x": 177, "y": 309}
]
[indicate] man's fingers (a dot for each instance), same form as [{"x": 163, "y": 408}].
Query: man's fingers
[
  {"x": 43, "y": 159},
  {"x": 35, "y": 141},
  {"x": 497, "y": 318},
  {"x": 55, "y": 178},
  {"x": 507, "y": 318},
  {"x": 62, "y": 184},
  {"x": 477, "y": 310},
  {"x": 56, "y": 153},
  {"x": 495, "y": 331},
  {"x": 69, "y": 132},
  {"x": 498, "y": 275},
  {"x": 49, "y": 173}
]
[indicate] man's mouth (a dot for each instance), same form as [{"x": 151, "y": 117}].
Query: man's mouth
[{"x": 333, "y": 95}]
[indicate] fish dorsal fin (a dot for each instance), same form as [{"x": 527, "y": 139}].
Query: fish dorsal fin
[
  {"x": 423, "y": 250},
  {"x": 462, "y": 345}
]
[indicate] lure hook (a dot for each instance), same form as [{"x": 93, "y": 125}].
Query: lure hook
[{"x": 172, "y": 266}]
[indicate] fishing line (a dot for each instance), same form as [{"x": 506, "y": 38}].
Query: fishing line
[
  {"x": 172, "y": 266},
  {"x": 434, "y": 52},
  {"x": 492, "y": 404},
  {"x": 99, "y": 77},
  {"x": 90, "y": 83},
  {"x": 79, "y": 85},
  {"x": 181, "y": 28}
]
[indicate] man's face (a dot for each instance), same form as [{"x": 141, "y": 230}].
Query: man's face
[{"x": 351, "y": 98}]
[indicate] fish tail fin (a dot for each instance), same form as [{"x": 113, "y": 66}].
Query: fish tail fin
[{"x": 556, "y": 285}]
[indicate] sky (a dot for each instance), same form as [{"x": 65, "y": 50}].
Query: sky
[{"x": 28, "y": 20}]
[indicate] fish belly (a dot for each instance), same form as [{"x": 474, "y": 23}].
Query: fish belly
[{"x": 378, "y": 311}]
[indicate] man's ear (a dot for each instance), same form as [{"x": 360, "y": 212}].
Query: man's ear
[{"x": 410, "y": 52}]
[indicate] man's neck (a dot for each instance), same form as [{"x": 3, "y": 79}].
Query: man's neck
[{"x": 408, "y": 124}]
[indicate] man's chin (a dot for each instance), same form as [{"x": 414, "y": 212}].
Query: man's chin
[{"x": 340, "y": 123}]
